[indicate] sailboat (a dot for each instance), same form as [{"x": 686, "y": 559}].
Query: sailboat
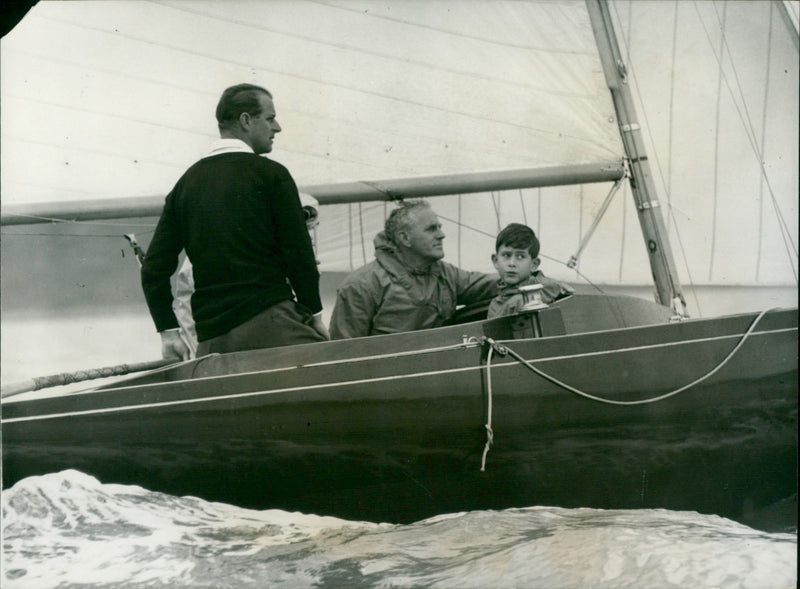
[{"x": 595, "y": 400}]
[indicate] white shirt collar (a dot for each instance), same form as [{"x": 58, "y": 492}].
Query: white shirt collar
[{"x": 229, "y": 145}]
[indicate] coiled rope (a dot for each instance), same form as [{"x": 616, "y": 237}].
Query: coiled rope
[{"x": 506, "y": 351}]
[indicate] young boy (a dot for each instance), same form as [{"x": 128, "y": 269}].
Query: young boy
[{"x": 516, "y": 258}]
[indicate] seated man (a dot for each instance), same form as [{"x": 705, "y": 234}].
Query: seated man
[
  {"x": 408, "y": 286},
  {"x": 516, "y": 258}
]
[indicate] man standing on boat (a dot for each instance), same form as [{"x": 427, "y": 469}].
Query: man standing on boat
[
  {"x": 239, "y": 219},
  {"x": 408, "y": 286},
  {"x": 184, "y": 280}
]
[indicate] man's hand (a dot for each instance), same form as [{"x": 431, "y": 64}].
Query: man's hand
[
  {"x": 319, "y": 325},
  {"x": 173, "y": 346}
]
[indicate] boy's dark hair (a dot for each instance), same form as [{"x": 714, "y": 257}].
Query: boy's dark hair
[
  {"x": 518, "y": 236},
  {"x": 236, "y": 100}
]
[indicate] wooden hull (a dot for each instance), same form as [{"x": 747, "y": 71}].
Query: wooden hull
[{"x": 392, "y": 428}]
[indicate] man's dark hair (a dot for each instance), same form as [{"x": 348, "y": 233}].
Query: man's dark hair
[
  {"x": 236, "y": 100},
  {"x": 518, "y": 236},
  {"x": 400, "y": 218}
]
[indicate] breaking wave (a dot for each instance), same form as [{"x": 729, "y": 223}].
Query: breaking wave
[{"x": 68, "y": 530}]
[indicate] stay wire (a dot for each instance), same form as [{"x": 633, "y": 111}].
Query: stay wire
[
  {"x": 545, "y": 256},
  {"x": 750, "y": 134},
  {"x": 635, "y": 86}
]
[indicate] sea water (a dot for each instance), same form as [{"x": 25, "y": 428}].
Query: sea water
[{"x": 67, "y": 529}]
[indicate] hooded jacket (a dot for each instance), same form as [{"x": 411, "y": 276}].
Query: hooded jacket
[
  {"x": 510, "y": 299},
  {"x": 385, "y": 296}
]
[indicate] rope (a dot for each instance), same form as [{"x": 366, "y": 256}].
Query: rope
[
  {"x": 504, "y": 350},
  {"x": 489, "y": 431},
  {"x": 501, "y": 349},
  {"x": 65, "y": 378}
]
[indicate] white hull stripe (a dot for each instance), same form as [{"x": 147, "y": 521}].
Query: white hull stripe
[{"x": 358, "y": 381}]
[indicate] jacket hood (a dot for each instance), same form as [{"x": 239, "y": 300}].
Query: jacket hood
[
  {"x": 386, "y": 255},
  {"x": 383, "y": 245}
]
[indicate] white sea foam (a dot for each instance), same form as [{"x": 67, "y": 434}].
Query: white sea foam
[{"x": 67, "y": 529}]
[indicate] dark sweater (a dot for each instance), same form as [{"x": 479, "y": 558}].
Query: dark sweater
[{"x": 238, "y": 216}]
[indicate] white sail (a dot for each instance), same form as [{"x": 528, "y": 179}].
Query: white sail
[
  {"x": 114, "y": 99},
  {"x": 365, "y": 91}
]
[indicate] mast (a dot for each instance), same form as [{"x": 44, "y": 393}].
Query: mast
[{"x": 643, "y": 188}]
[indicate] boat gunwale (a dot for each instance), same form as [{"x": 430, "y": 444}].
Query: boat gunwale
[{"x": 497, "y": 364}]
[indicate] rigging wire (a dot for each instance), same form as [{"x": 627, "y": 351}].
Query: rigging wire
[
  {"x": 541, "y": 255},
  {"x": 626, "y": 41},
  {"x": 350, "y": 233},
  {"x": 750, "y": 134},
  {"x": 785, "y": 232},
  {"x": 760, "y": 242},
  {"x": 634, "y": 156},
  {"x": 718, "y": 114},
  {"x": 524, "y": 212},
  {"x": 361, "y": 231},
  {"x": 459, "y": 229},
  {"x": 670, "y": 125},
  {"x": 496, "y": 206},
  {"x": 622, "y": 238},
  {"x": 539, "y": 211}
]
